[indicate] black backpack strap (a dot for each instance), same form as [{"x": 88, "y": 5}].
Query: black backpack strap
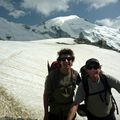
[
  {"x": 83, "y": 72},
  {"x": 84, "y": 81},
  {"x": 107, "y": 87},
  {"x": 115, "y": 104},
  {"x": 56, "y": 78},
  {"x": 54, "y": 83},
  {"x": 85, "y": 87},
  {"x": 73, "y": 78},
  {"x": 104, "y": 81},
  {"x": 48, "y": 67}
]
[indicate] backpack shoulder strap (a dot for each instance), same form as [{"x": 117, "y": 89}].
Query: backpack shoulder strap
[
  {"x": 48, "y": 67},
  {"x": 55, "y": 78},
  {"x": 76, "y": 77},
  {"x": 107, "y": 87},
  {"x": 105, "y": 83},
  {"x": 85, "y": 87}
]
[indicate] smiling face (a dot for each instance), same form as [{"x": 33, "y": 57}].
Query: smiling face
[
  {"x": 65, "y": 58},
  {"x": 66, "y": 61}
]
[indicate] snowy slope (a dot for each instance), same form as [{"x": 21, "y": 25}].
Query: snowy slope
[
  {"x": 16, "y": 32},
  {"x": 23, "y": 67}
]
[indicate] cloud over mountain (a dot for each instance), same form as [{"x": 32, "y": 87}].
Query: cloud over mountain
[
  {"x": 114, "y": 23},
  {"x": 47, "y": 6},
  {"x": 10, "y": 7}
]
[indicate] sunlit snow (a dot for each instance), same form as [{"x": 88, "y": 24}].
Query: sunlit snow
[{"x": 23, "y": 67}]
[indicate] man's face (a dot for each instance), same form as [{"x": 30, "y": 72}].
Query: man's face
[
  {"x": 66, "y": 61},
  {"x": 93, "y": 70}
]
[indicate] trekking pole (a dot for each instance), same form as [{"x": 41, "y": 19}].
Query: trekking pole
[{"x": 48, "y": 66}]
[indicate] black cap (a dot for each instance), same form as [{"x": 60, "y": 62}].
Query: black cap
[{"x": 92, "y": 61}]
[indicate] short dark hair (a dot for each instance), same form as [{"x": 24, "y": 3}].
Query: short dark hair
[{"x": 65, "y": 51}]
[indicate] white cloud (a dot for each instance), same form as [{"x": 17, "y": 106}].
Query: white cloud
[
  {"x": 8, "y": 5},
  {"x": 105, "y": 22},
  {"x": 46, "y": 7},
  {"x": 98, "y": 3},
  {"x": 115, "y": 23},
  {"x": 17, "y": 13}
]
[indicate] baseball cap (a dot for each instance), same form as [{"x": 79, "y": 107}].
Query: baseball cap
[{"x": 92, "y": 61}]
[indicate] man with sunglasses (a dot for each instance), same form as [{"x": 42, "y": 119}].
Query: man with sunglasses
[
  {"x": 98, "y": 102},
  {"x": 59, "y": 87}
]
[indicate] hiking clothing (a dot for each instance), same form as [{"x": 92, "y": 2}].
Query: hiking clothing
[
  {"x": 58, "y": 117},
  {"x": 109, "y": 117},
  {"x": 82, "y": 111},
  {"x": 60, "y": 90},
  {"x": 99, "y": 102}
]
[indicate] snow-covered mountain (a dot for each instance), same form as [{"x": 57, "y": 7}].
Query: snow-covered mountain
[{"x": 69, "y": 26}]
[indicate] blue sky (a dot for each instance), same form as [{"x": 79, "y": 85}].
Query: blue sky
[{"x": 104, "y": 12}]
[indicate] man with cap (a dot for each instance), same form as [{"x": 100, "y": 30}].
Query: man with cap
[{"x": 99, "y": 104}]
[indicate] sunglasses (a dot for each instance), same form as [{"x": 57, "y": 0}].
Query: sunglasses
[
  {"x": 67, "y": 58},
  {"x": 90, "y": 67}
]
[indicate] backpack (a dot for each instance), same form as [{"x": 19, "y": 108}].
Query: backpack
[
  {"x": 54, "y": 65},
  {"x": 104, "y": 81}
]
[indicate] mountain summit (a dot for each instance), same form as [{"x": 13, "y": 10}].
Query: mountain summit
[{"x": 68, "y": 26}]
